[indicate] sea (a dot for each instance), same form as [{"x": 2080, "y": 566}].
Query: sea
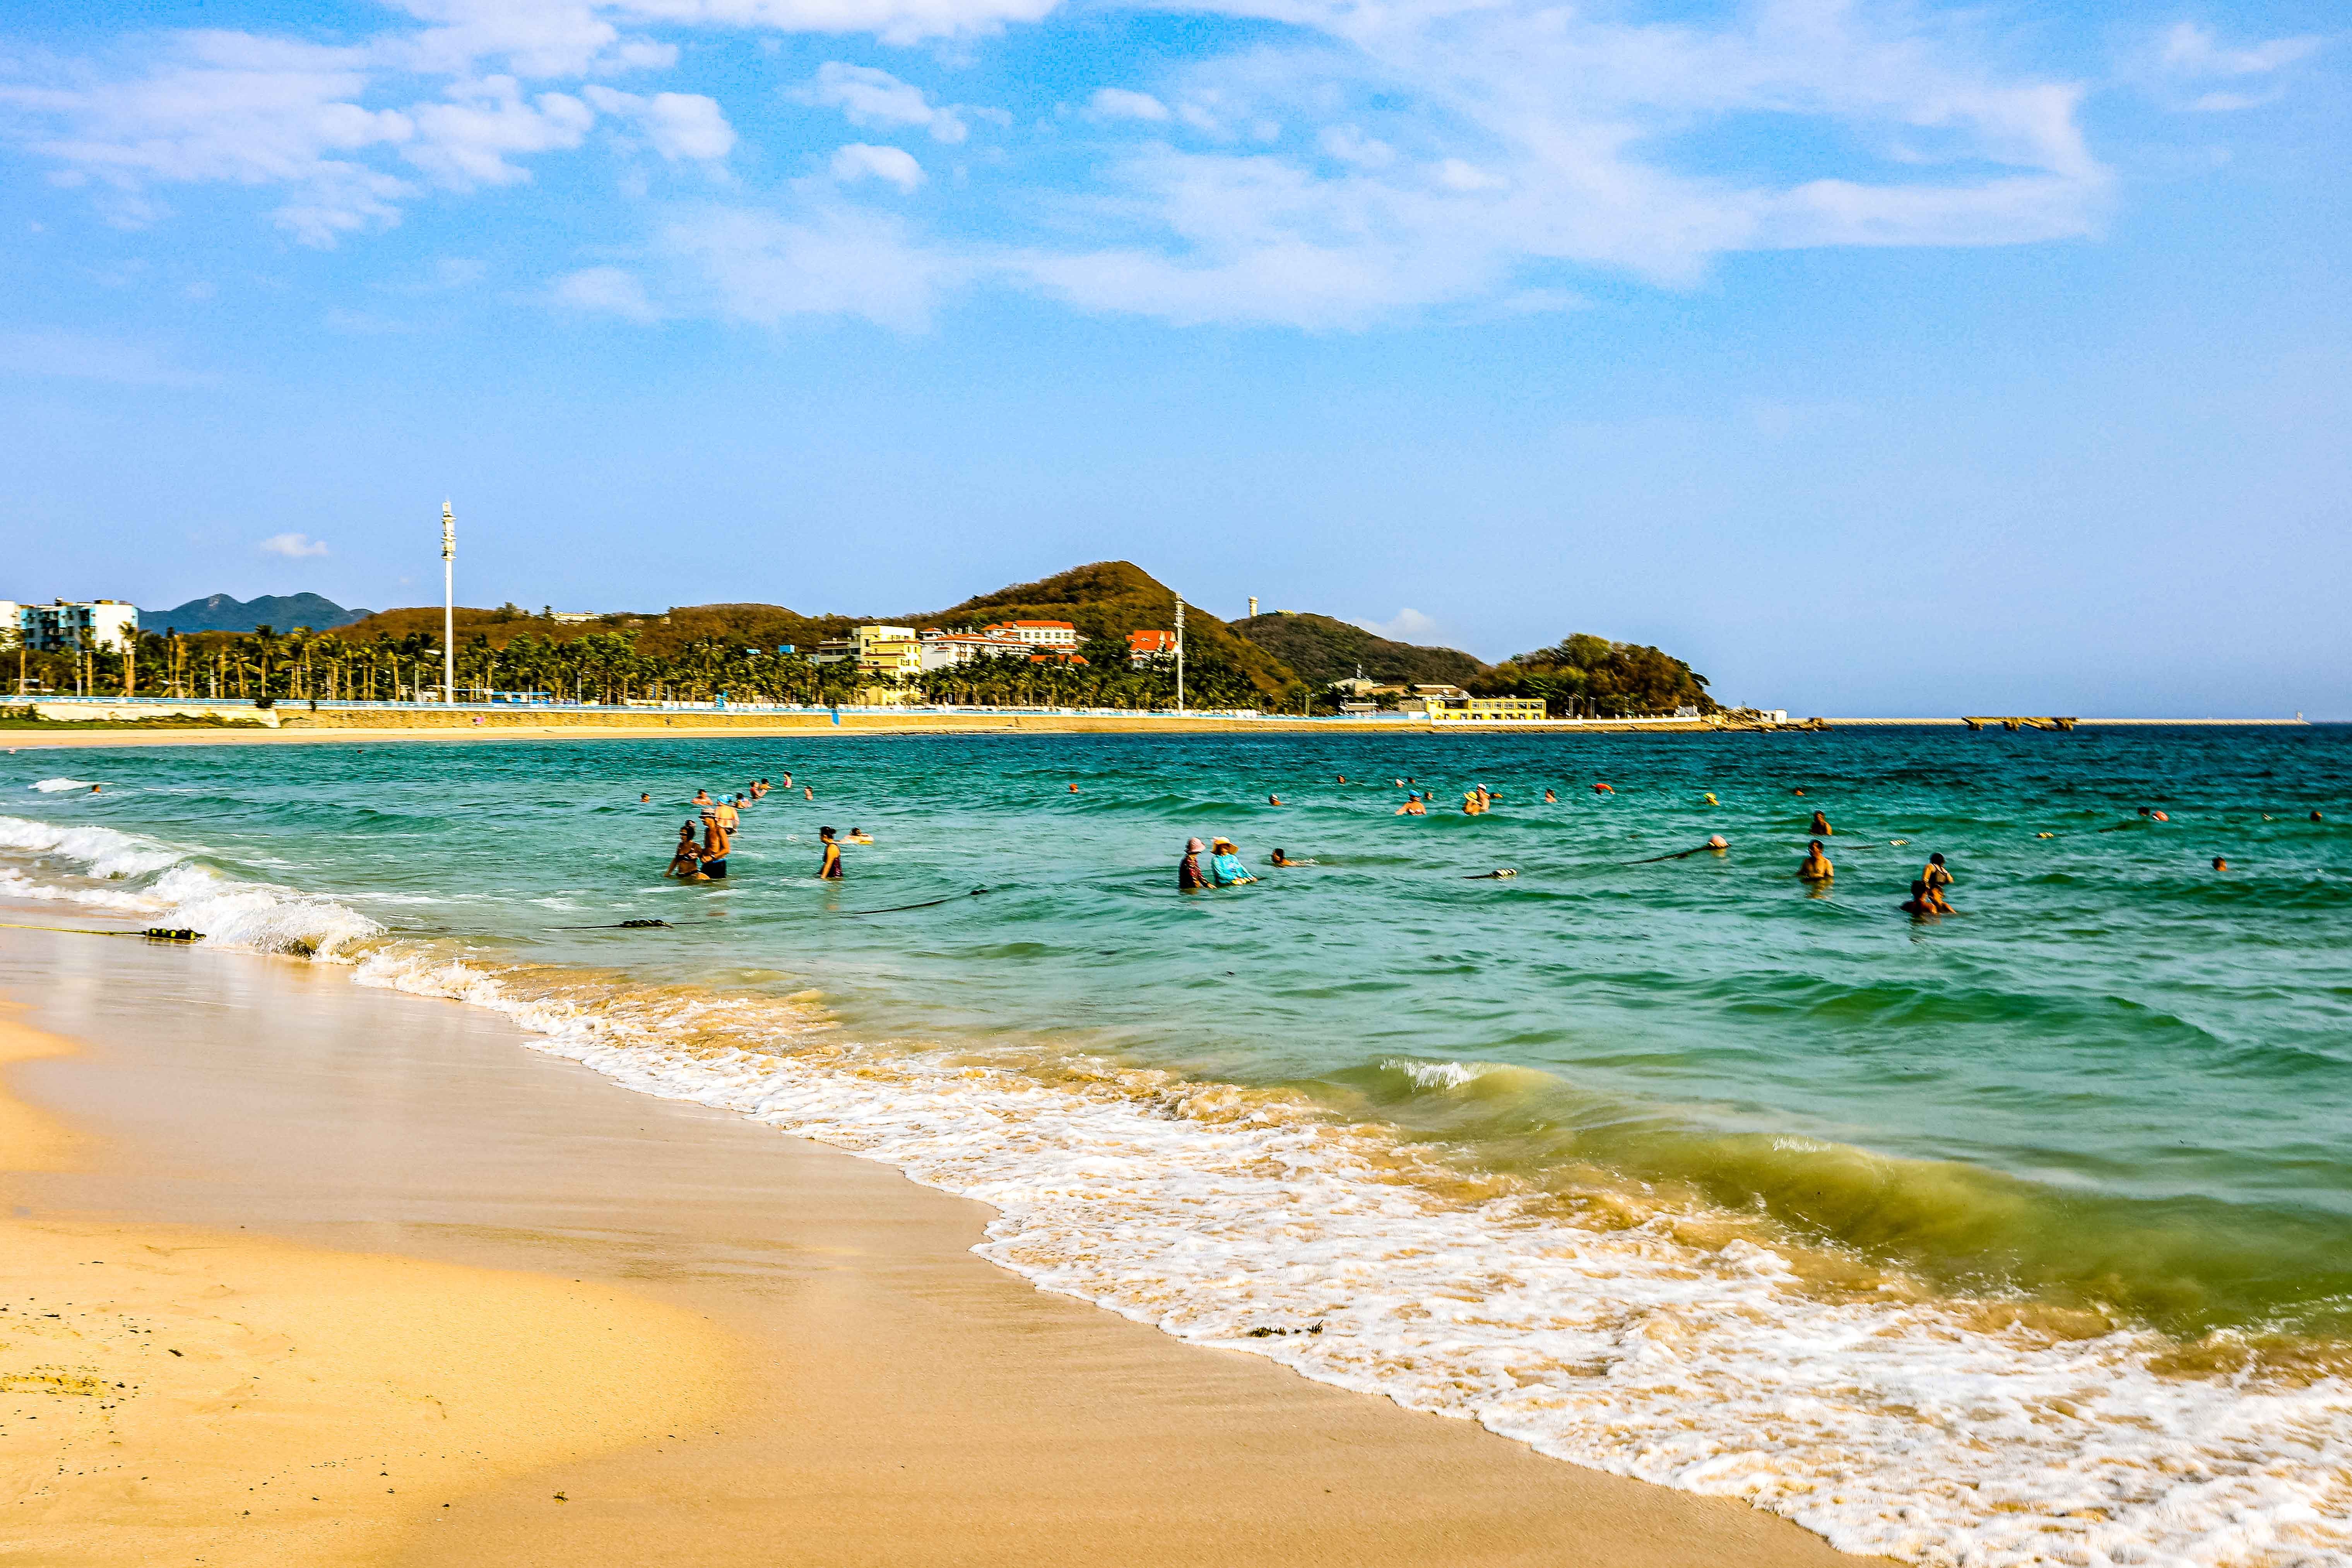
[{"x": 2018, "y": 1235}]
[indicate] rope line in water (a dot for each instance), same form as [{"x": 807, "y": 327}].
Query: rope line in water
[{"x": 152, "y": 933}]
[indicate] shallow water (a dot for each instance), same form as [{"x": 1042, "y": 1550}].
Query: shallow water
[{"x": 2020, "y": 1235}]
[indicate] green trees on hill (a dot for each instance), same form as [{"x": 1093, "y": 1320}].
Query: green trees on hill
[
  {"x": 1592, "y": 674},
  {"x": 1323, "y": 650}
]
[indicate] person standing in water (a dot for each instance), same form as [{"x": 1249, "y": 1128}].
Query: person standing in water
[
  {"x": 1820, "y": 825},
  {"x": 1936, "y": 875},
  {"x": 1225, "y": 865},
  {"x": 686, "y": 864},
  {"x": 1188, "y": 869},
  {"x": 829, "y": 868},
  {"x": 1815, "y": 867},
  {"x": 716, "y": 844}
]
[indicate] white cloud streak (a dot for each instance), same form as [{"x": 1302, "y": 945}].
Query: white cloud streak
[
  {"x": 862, "y": 160},
  {"x": 874, "y": 97},
  {"x": 293, "y": 546}
]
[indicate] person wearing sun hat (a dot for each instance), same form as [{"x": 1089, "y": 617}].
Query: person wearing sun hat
[{"x": 1188, "y": 869}]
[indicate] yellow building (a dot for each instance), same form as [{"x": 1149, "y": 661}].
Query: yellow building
[
  {"x": 886, "y": 652},
  {"x": 1485, "y": 709}
]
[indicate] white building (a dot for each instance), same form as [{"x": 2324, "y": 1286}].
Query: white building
[
  {"x": 103, "y": 626},
  {"x": 12, "y": 623},
  {"x": 1037, "y": 633},
  {"x": 941, "y": 650}
]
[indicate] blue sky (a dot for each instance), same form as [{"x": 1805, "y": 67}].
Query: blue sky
[{"x": 1876, "y": 358}]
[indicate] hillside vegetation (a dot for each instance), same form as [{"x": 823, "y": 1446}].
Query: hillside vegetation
[
  {"x": 1322, "y": 651},
  {"x": 1104, "y": 601}
]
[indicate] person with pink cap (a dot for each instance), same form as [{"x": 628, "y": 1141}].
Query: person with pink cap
[{"x": 1188, "y": 869}]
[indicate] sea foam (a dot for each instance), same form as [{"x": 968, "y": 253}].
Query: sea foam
[{"x": 1932, "y": 1430}]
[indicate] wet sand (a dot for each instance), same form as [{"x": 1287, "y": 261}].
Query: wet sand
[{"x": 879, "y": 1395}]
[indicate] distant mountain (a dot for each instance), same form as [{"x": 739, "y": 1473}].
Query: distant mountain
[
  {"x": 219, "y": 612},
  {"x": 1323, "y": 650}
]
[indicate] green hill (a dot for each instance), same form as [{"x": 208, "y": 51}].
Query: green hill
[
  {"x": 1105, "y": 601},
  {"x": 1112, "y": 598},
  {"x": 1322, "y": 651}
]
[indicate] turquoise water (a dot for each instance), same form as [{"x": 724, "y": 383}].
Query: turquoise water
[{"x": 2115, "y": 1089}]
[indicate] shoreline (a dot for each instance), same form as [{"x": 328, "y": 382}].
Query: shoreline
[{"x": 899, "y": 1400}]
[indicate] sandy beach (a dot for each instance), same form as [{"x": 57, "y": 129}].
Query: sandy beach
[{"x": 441, "y": 1299}]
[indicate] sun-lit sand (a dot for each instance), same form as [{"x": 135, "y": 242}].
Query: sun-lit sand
[{"x": 492, "y": 1308}]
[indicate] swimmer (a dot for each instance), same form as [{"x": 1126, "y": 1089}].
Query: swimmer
[
  {"x": 808, "y": 792},
  {"x": 729, "y": 818},
  {"x": 1599, "y": 788},
  {"x": 644, "y": 800},
  {"x": 1279, "y": 859},
  {"x": 1413, "y": 807},
  {"x": 1815, "y": 867},
  {"x": 2314, "y": 816},
  {"x": 1343, "y": 778},
  {"x": 829, "y": 868},
  {"x": 1796, "y": 792},
  {"x": 1935, "y": 904},
  {"x": 1472, "y": 804},
  {"x": 1274, "y": 800},
  {"x": 702, "y": 797},
  {"x": 1922, "y": 900},
  {"x": 1074, "y": 789},
  {"x": 96, "y": 788},
  {"x": 686, "y": 864},
  {"x": 788, "y": 780},
  {"x": 1709, "y": 798},
  {"x": 858, "y": 835},
  {"x": 2220, "y": 864},
  {"x": 1550, "y": 799},
  {"x": 1820, "y": 825},
  {"x": 1936, "y": 875},
  {"x": 2045, "y": 836},
  {"x": 1400, "y": 784},
  {"x": 1188, "y": 869}
]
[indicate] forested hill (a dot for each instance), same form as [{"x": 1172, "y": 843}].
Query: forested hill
[
  {"x": 1112, "y": 598},
  {"x": 220, "y": 612},
  {"x": 1323, "y": 650},
  {"x": 1105, "y": 601}
]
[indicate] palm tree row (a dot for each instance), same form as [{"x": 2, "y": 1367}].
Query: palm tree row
[{"x": 602, "y": 667}]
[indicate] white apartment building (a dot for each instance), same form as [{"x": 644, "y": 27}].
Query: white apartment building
[
  {"x": 941, "y": 650},
  {"x": 1037, "y": 633},
  {"x": 104, "y": 625}
]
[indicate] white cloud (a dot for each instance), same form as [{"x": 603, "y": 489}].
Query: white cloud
[
  {"x": 293, "y": 546},
  {"x": 1119, "y": 103},
  {"x": 2194, "y": 51},
  {"x": 466, "y": 140},
  {"x": 679, "y": 124},
  {"x": 607, "y": 290},
  {"x": 762, "y": 269},
  {"x": 892, "y": 21},
  {"x": 870, "y": 97},
  {"x": 1520, "y": 137},
  {"x": 1409, "y": 625},
  {"x": 2188, "y": 60},
  {"x": 862, "y": 160}
]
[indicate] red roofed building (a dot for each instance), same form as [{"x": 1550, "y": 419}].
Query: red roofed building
[{"x": 1142, "y": 646}]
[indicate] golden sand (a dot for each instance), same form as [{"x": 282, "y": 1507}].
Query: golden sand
[{"x": 170, "y": 1394}]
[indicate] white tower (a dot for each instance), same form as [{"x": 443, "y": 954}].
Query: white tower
[
  {"x": 449, "y": 603},
  {"x": 1252, "y": 606},
  {"x": 1180, "y": 657}
]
